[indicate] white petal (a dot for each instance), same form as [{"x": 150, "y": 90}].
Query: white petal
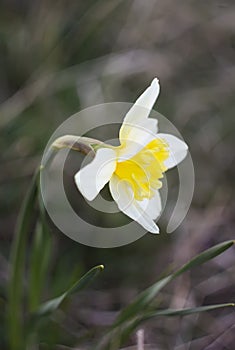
[
  {"x": 93, "y": 177},
  {"x": 137, "y": 137},
  {"x": 152, "y": 206},
  {"x": 137, "y": 116},
  {"x": 140, "y": 130},
  {"x": 146, "y": 101},
  {"x": 123, "y": 196},
  {"x": 178, "y": 149}
]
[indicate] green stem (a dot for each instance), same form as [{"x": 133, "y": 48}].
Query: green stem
[
  {"x": 18, "y": 254},
  {"x": 40, "y": 256},
  {"x": 39, "y": 263},
  {"x": 16, "y": 331}
]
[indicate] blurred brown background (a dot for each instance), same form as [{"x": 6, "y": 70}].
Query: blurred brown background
[{"x": 58, "y": 57}]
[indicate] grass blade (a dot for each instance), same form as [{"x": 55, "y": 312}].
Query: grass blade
[
  {"x": 124, "y": 332},
  {"x": 38, "y": 265},
  {"x": 50, "y": 306},
  {"x": 185, "y": 312},
  {"x": 143, "y": 299},
  {"x": 18, "y": 254}
]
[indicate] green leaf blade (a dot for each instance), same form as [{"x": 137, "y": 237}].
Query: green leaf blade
[
  {"x": 18, "y": 254},
  {"x": 145, "y": 298},
  {"x": 50, "y": 306},
  {"x": 141, "y": 301},
  {"x": 133, "y": 325},
  {"x": 186, "y": 311},
  {"x": 205, "y": 256}
]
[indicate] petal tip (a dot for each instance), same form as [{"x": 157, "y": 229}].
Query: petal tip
[
  {"x": 155, "y": 231},
  {"x": 156, "y": 85},
  {"x": 155, "y": 81},
  {"x": 84, "y": 193}
]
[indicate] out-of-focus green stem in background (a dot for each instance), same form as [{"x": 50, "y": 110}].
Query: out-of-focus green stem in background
[{"x": 16, "y": 334}]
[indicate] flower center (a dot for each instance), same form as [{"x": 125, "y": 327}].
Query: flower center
[{"x": 144, "y": 169}]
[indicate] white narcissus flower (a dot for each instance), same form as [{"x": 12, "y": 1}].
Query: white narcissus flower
[{"x": 134, "y": 169}]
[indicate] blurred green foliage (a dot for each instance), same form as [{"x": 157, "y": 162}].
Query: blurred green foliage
[{"x": 58, "y": 57}]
